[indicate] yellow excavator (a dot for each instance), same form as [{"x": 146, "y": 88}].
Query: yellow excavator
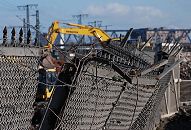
[
  {"x": 60, "y": 93},
  {"x": 76, "y": 29}
]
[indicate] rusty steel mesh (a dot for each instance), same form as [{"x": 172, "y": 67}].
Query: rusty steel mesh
[{"x": 18, "y": 81}]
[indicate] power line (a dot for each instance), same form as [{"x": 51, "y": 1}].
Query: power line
[
  {"x": 37, "y": 27},
  {"x": 96, "y": 23},
  {"x": 106, "y": 26},
  {"x": 80, "y": 17},
  {"x": 27, "y": 7}
]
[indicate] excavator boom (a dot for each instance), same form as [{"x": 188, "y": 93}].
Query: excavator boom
[{"x": 76, "y": 29}]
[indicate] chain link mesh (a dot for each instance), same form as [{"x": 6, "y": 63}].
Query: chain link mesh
[
  {"x": 102, "y": 103},
  {"x": 147, "y": 117},
  {"x": 103, "y": 100},
  {"x": 18, "y": 81}
]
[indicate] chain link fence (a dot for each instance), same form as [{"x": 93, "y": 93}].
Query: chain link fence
[
  {"x": 18, "y": 81},
  {"x": 105, "y": 99},
  {"x": 106, "y": 102}
]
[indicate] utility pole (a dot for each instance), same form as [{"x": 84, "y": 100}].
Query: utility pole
[
  {"x": 80, "y": 17},
  {"x": 27, "y": 7},
  {"x": 37, "y": 27},
  {"x": 24, "y": 30}
]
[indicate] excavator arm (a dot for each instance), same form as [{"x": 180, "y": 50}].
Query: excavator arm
[{"x": 77, "y": 29}]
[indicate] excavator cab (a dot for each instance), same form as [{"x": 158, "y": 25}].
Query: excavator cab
[
  {"x": 47, "y": 79},
  {"x": 50, "y": 81}
]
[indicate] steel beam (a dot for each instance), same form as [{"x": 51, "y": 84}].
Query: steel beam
[{"x": 167, "y": 70}]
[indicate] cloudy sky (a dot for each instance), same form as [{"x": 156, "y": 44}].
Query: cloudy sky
[{"x": 121, "y": 14}]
